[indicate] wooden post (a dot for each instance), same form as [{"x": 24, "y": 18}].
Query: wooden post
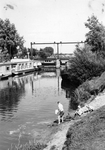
[
  {"x": 31, "y": 49},
  {"x": 57, "y": 61}
]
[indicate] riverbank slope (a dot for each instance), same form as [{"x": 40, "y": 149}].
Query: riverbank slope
[{"x": 86, "y": 132}]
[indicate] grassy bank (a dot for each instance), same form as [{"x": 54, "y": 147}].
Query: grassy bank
[
  {"x": 88, "y": 133},
  {"x": 87, "y": 91},
  {"x": 83, "y": 135}
]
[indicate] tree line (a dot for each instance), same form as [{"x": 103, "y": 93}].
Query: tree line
[{"x": 12, "y": 44}]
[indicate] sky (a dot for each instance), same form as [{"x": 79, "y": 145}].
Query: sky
[{"x": 52, "y": 20}]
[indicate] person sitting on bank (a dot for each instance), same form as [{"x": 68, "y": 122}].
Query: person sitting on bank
[
  {"x": 78, "y": 112},
  {"x": 81, "y": 110},
  {"x": 60, "y": 112}
]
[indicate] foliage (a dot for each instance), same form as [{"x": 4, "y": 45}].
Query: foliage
[
  {"x": 46, "y": 52},
  {"x": 88, "y": 89},
  {"x": 42, "y": 53},
  {"x": 9, "y": 38},
  {"x": 88, "y": 61},
  {"x": 35, "y": 52},
  {"x": 22, "y": 53},
  {"x": 12, "y": 44},
  {"x": 49, "y": 51},
  {"x": 85, "y": 65},
  {"x": 96, "y": 36}
]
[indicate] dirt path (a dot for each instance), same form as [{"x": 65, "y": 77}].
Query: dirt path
[{"x": 59, "y": 138}]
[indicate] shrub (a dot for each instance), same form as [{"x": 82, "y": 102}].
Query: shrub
[
  {"x": 86, "y": 90},
  {"x": 85, "y": 65}
]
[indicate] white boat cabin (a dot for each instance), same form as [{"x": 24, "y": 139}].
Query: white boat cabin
[
  {"x": 17, "y": 66},
  {"x": 21, "y": 65},
  {"x": 5, "y": 69}
]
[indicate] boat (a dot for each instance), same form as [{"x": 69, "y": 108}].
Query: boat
[
  {"x": 21, "y": 66},
  {"x": 17, "y": 66},
  {"x": 3, "y": 77},
  {"x": 5, "y": 70},
  {"x": 51, "y": 63},
  {"x": 48, "y": 63},
  {"x": 37, "y": 65}
]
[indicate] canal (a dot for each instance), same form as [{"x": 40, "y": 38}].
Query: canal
[{"x": 27, "y": 104}]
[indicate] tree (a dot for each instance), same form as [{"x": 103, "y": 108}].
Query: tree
[
  {"x": 46, "y": 52},
  {"x": 35, "y": 52},
  {"x": 96, "y": 35},
  {"x": 88, "y": 61},
  {"x": 49, "y": 51},
  {"x": 85, "y": 65},
  {"x": 22, "y": 53},
  {"x": 9, "y": 38},
  {"x": 42, "y": 54}
]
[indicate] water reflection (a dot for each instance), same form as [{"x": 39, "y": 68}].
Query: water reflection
[
  {"x": 68, "y": 88},
  {"x": 70, "y": 94},
  {"x": 9, "y": 97},
  {"x": 11, "y": 91},
  {"x": 21, "y": 81},
  {"x": 58, "y": 77},
  {"x": 26, "y": 101}
]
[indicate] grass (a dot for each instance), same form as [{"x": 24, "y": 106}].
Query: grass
[
  {"x": 88, "y": 133},
  {"x": 87, "y": 91}
]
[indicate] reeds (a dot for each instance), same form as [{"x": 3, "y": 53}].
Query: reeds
[{"x": 28, "y": 146}]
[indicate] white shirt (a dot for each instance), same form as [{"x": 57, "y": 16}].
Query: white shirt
[{"x": 60, "y": 107}]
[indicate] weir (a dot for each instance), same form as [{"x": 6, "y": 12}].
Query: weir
[{"x": 58, "y": 64}]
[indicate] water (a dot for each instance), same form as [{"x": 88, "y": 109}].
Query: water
[{"x": 27, "y": 105}]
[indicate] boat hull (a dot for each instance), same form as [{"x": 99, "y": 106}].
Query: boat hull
[
  {"x": 22, "y": 71},
  {"x": 4, "y": 77}
]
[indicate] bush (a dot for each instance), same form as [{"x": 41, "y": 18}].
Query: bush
[
  {"x": 85, "y": 65},
  {"x": 86, "y": 90}
]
